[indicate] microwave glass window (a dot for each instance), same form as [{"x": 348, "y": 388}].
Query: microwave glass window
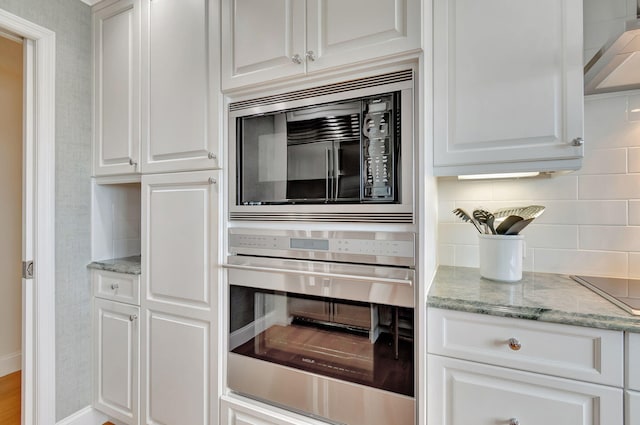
[{"x": 344, "y": 152}]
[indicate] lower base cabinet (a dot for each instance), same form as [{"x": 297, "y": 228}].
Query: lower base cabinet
[
  {"x": 116, "y": 348},
  {"x": 463, "y": 392},
  {"x": 237, "y": 411}
]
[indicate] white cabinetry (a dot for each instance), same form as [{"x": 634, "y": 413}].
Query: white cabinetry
[
  {"x": 265, "y": 40},
  {"x": 116, "y": 345},
  {"x": 508, "y": 86},
  {"x": 116, "y": 35},
  {"x": 180, "y": 63},
  {"x": 236, "y": 411},
  {"x": 488, "y": 370},
  {"x": 156, "y": 86},
  {"x": 632, "y": 396},
  {"x": 179, "y": 301}
]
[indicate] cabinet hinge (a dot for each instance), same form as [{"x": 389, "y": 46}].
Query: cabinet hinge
[{"x": 27, "y": 269}]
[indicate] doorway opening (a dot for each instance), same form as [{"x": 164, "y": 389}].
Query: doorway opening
[
  {"x": 11, "y": 107},
  {"x": 37, "y": 185}
]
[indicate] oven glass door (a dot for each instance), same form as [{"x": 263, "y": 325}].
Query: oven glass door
[{"x": 363, "y": 343}]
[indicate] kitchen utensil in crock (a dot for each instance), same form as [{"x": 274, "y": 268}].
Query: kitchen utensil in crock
[
  {"x": 486, "y": 218},
  {"x": 518, "y": 226},
  {"x": 467, "y": 218},
  {"x": 507, "y": 223}
]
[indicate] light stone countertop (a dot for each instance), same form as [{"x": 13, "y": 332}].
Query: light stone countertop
[
  {"x": 544, "y": 297},
  {"x": 128, "y": 265}
]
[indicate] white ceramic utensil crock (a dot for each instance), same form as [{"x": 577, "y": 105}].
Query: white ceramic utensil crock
[{"x": 501, "y": 257}]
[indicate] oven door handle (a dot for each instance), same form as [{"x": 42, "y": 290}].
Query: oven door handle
[{"x": 320, "y": 274}]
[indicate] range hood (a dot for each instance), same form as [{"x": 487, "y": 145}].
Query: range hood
[{"x": 616, "y": 66}]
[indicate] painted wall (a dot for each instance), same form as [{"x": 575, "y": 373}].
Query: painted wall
[
  {"x": 10, "y": 205},
  {"x": 592, "y": 222},
  {"x": 71, "y": 21}
]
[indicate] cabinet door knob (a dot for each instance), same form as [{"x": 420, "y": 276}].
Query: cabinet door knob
[
  {"x": 133, "y": 317},
  {"x": 132, "y": 162},
  {"x": 114, "y": 286},
  {"x": 212, "y": 180},
  {"x": 310, "y": 55},
  {"x": 212, "y": 155},
  {"x": 514, "y": 344},
  {"x": 514, "y": 421},
  {"x": 296, "y": 59},
  {"x": 578, "y": 141}
]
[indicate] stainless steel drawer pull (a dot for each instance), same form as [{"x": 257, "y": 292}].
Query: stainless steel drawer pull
[
  {"x": 515, "y": 345},
  {"x": 514, "y": 421},
  {"x": 133, "y": 317},
  {"x": 212, "y": 155},
  {"x": 296, "y": 59},
  {"x": 114, "y": 286}
]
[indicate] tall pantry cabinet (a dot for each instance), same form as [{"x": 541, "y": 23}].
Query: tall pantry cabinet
[{"x": 156, "y": 114}]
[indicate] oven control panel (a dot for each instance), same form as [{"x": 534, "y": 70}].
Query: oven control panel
[{"x": 364, "y": 247}]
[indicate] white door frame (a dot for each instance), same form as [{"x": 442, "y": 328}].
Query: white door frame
[{"x": 38, "y": 315}]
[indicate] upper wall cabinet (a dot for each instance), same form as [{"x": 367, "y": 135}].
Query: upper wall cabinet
[
  {"x": 156, "y": 86},
  {"x": 508, "y": 86},
  {"x": 179, "y": 85},
  {"x": 116, "y": 28},
  {"x": 265, "y": 40}
]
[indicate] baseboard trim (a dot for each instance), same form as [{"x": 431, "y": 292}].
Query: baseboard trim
[
  {"x": 10, "y": 363},
  {"x": 86, "y": 416}
]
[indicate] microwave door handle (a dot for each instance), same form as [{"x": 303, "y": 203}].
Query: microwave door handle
[
  {"x": 327, "y": 174},
  {"x": 336, "y": 169}
]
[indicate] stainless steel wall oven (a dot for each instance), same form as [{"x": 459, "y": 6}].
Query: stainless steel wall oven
[
  {"x": 339, "y": 152},
  {"x": 314, "y": 332}
]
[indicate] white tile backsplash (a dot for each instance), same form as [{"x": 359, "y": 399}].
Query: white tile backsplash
[
  {"x": 592, "y": 221},
  {"x": 610, "y": 186},
  {"x": 634, "y": 160},
  {"x": 634, "y": 213}
]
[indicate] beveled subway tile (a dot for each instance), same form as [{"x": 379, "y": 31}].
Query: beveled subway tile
[{"x": 570, "y": 261}]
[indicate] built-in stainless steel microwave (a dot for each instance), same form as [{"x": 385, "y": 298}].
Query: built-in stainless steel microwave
[{"x": 340, "y": 152}]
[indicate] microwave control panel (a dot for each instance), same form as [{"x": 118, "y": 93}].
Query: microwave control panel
[
  {"x": 340, "y": 248},
  {"x": 378, "y": 132}
]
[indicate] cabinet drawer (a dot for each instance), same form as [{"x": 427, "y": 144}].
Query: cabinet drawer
[
  {"x": 633, "y": 361},
  {"x": 114, "y": 286},
  {"x": 462, "y": 392},
  {"x": 235, "y": 411},
  {"x": 575, "y": 352}
]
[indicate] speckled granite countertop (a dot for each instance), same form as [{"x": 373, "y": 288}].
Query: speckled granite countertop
[
  {"x": 128, "y": 265},
  {"x": 538, "y": 296}
]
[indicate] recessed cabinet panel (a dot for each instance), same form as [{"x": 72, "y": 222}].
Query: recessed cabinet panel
[
  {"x": 177, "y": 370},
  {"x": 341, "y": 32},
  {"x": 633, "y": 361},
  {"x": 115, "y": 102},
  {"x": 179, "y": 92},
  {"x": 179, "y": 212},
  {"x": 299, "y": 36},
  {"x": 260, "y": 39},
  {"x": 507, "y": 81},
  {"x": 116, "y": 348},
  {"x": 472, "y": 393}
]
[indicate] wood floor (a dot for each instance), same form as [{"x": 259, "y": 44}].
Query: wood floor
[{"x": 10, "y": 399}]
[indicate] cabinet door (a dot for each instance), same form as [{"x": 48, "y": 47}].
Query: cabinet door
[
  {"x": 180, "y": 90},
  {"x": 179, "y": 284},
  {"x": 461, "y": 393},
  {"x": 179, "y": 239},
  {"x": 343, "y": 32},
  {"x": 177, "y": 370},
  {"x": 116, "y": 360},
  {"x": 262, "y": 40},
  {"x": 116, "y": 78},
  {"x": 508, "y": 85}
]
